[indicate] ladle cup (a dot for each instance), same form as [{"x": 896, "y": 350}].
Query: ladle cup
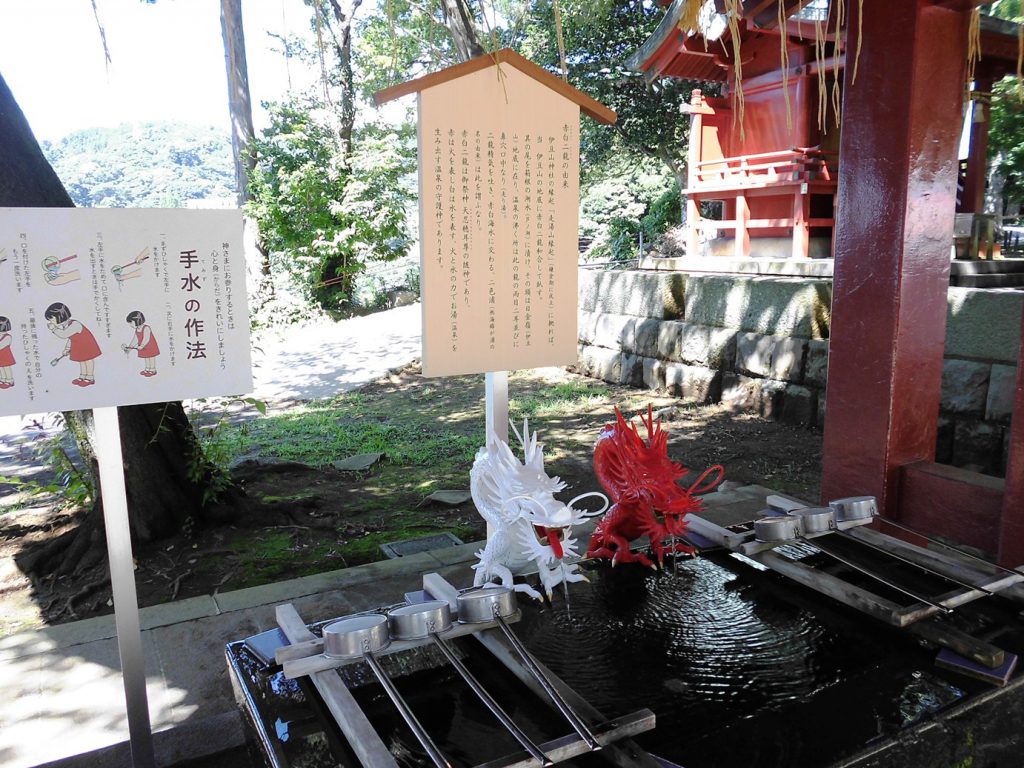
[{"x": 362, "y": 636}]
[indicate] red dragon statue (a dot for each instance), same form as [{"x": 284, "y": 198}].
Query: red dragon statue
[{"x": 643, "y": 486}]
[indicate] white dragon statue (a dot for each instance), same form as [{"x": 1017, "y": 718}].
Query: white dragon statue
[{"x": 528, "y": 527}]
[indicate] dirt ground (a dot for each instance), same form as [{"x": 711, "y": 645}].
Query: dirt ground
[{"x": 306, "y": 517}]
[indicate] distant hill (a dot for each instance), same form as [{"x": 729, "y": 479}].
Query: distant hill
[{"x": 158, "y": 165}]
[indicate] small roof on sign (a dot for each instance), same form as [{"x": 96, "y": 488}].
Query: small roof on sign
[{"x": 588, "y": 105}]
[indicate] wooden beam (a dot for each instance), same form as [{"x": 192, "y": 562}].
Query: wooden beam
[
  {"x": 313, "y": 659},
  {"x": 1011, "y": 528},
  {"x": 955, "y": 503},
  {"x": 361, "y": 736},
  {"x": 568, "y": 747}
]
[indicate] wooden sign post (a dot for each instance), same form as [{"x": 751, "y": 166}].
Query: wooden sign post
[
  {"x": 499, "y": 218},
  {"x": 104, "y": 307}
]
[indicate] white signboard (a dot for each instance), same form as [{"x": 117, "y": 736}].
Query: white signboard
[
  {"x": 103, "y": 307},
  {"x": 499, "y": 202}
]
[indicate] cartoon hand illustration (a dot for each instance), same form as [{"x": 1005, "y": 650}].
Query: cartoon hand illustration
[{"x": 60, "y": 278}]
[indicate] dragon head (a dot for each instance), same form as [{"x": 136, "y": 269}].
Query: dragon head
[
  {"x": 506, "y": 489},
  {"x": 639, "y": 472}
]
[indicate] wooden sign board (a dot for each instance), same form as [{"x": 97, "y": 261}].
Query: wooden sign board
[
  {"x": 104, "y": 307},
  {"x": 499, "y": 214}
]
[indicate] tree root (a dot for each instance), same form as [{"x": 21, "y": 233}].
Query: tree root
[
  {"x": 84, "y": 591},
  {"x": 176, "y": 584}
]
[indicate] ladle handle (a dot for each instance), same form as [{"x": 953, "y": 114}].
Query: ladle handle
[
  {"x": 438, "y": 759},
  {"x": 563, "y": 706},
  {"x": 816, "y": 543},
  {"x": 489, "y": 701},
  {"x": 915, "y": 564}
]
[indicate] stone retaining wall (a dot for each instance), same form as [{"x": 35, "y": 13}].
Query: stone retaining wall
[{"x": 761, "y": 343}]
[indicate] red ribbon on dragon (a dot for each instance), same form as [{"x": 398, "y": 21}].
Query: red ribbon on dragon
[{"x": 643, "y": 485}]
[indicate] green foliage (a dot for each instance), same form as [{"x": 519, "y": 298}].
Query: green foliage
[
  {"x": 599, "y": 38},
  {"x": 1004, "y": 9},
  {"x": 634, "y": 196},
  {"x": 1006, "y": 136},
  {"x": 71, "y": 485},
  {"x": 160, "y": 165},
  {"x": 323, "y": 213},
  {"x": 209, "y": 464},
  {"x": 398, "y": 41}
]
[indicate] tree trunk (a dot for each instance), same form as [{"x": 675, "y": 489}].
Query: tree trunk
[
  {"x": 166, "y": 477},
  {"x": 243, "y": 134},
  {"x": 340, "y": 26},
  {"x": 458, "y": 17},
  {"x": 239, "y": 102}
]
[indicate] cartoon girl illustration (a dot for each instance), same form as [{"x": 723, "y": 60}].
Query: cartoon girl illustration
[
  {"x": 142, "y": 341},
  {"x": 81, "y": 347},
  {"x": 6, "y": 354}
]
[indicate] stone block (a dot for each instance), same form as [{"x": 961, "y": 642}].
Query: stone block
[
  {"x": 615, "y": 332},
  {"x": 764, "y": 396},
  {"x": 646, "y": 334},
  {"x": 767, "y": 305},
  {"x": 816, "y": 369},
  {"x": 773, "y": 395},
  {"x": 799, "y": 406},
  {"x": 589, "y": 289},
  {"x": 944, "y": 441},
  {"x": 693, "y": 382},
  {"x": 739, "y": 391},
  {"x": 754, "y": 354},
  {"x": 630, "y": 292},
  {"x": 721, "y": 347},
  {"x": 821, "y": 411},
  {"x": 977, "y": 444},
  {"x": 964, "y": 387},
  {"x": 1002, "y": 386},
  {"x": 788, "y": 360},
  {"x": 706, "y": 346},
  {"x": 654, "y": 373},
  {"x": 632, "y": 370},
  {"x": 669, "y": 335},
  {"x": 659, "y": 295},
  {"x": 586, "y": 326},
  {"x": 601, "y": 363},
  {"x": 983, "y": 324}
]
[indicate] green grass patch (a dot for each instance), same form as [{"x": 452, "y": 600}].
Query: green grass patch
[
  {"x": 560, "y": 400},
  {"x": 321, "y": 432}
]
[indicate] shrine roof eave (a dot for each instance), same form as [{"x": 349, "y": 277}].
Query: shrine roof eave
[
  {"x": 668, "y": 52},
  {"x": 588, "y": 105}
]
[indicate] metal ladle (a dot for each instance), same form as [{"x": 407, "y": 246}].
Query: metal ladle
[
  {"x": 418, "y": 621},
  {"x": 782, "y": 528},
  {"x": 362, "y": 636},
  {"x": 496, "y": 604}
]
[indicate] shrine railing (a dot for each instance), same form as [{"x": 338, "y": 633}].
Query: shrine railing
[{"x": 790, "y": 166}]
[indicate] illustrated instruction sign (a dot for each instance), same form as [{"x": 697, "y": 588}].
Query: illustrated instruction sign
[
  {"x": 499, "y": 208},
  {"x": 104, "y": 307}
]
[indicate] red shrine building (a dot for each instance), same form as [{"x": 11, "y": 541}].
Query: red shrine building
[
  {"x": 879, "y": 192},
  {"x": 774, "y": 174}
]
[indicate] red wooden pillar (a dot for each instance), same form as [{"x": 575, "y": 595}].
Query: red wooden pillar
[
  {"x": 977, "y": 157},
  {"x": 1011, "y": 534},
  {"x": 897, "y": 198},
  {"x": 697, "y": 110}
]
